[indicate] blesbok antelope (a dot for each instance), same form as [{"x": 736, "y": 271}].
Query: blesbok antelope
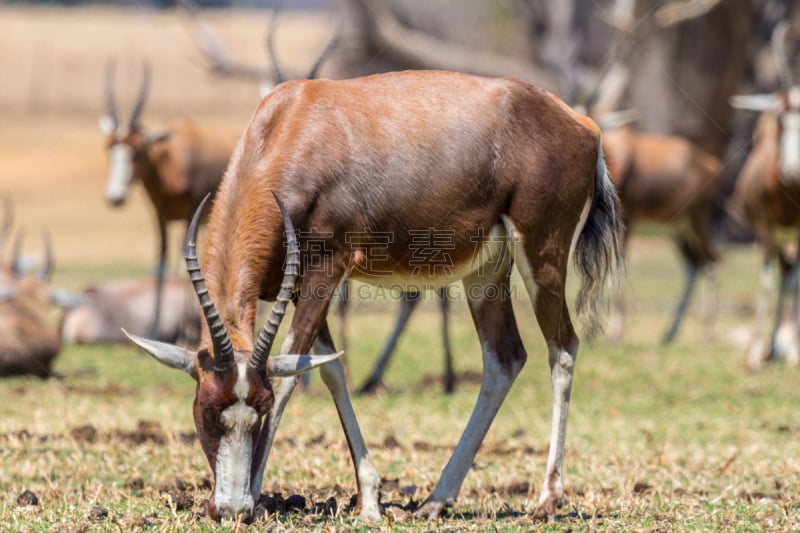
[
  {"x": 767, "y": 195},
  {"x": 28, "y": 341},
  {"x": 221, "y": 62},
  {"x": 507, "y": 169},
  {"x": 105, "y": 308},
  {"x": 177, "y": 167},
  {"x": 668, "y": 180}
]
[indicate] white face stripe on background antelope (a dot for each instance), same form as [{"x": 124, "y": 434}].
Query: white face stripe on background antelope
[
  {"x": 125, "y": 140},
  {"x": 234, "y": 394}
]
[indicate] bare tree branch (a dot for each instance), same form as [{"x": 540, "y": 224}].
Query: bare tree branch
[
  {"x": 383, "y": 34},
  {"x": 678, "y": 11}
]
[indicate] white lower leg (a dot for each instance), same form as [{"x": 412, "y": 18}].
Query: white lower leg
[
  {"x": 368, "y": 479},
  {"x": 711, "y": 303},
  {"x": 562, "y": 364},
  {"x": 756, "y": 352}
]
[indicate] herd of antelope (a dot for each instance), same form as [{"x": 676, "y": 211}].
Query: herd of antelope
[{"x": 516, "y": 176}]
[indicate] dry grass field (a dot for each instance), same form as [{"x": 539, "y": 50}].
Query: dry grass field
[{"x": 676, "y": 438}]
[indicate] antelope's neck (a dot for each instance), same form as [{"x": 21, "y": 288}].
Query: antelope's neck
[{"x": 242, "y": 262}]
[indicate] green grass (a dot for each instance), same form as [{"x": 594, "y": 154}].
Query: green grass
[{"x": 660, "y": 438}]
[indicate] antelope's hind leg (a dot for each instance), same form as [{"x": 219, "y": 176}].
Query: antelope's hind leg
[{"x": 545, "y": 283}]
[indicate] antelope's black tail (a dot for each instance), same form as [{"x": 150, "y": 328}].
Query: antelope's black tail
[{"x": 598, "y": 254}]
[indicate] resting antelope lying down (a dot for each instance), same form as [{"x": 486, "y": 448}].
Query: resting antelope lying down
[
  {"x": 105, "y": 308},
  {"x": 29, "y": 341}
]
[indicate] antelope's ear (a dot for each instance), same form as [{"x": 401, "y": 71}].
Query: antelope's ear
[
  {"x": 264, "y": 88},
  {"x": 291, "y": 365},
  {"x": 7, "y": 293},
  {"x": 617, "y": 119},
  {"x": 167, "y": 354},
  {"x": 106, "y": 124},
  {"x": 66, "y": 299},
  {"x": 157, "y": 137}
]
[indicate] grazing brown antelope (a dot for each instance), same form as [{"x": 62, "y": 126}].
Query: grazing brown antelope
[
  {"x": 28, "y": 341},
  {"x": 177, "y": 167},
  {"x": 767, "y": 195},
  {"x": 105, "y": 308},
  {"x": 509, "y": 171},
  {"x": 668, "y": 180}
]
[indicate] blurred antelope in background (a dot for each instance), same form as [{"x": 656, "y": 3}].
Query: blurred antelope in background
[
  {"x": 29, "y": 342},
  {"x": 767, "y": 196},
  {"x": 177, "y": 167},
  {"x": 513, "y": 172},
  {"x": 222, "y": 63},
  {"x": 668, "y": 180},
  {"x": 103, "y": 309},
  {"x": 664, "y": 179}
]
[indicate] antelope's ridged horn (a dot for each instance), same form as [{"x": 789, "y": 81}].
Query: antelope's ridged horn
[
  {"x": 277, "y": 73},
  {"x": 16, "y": 255},
  {"x": 8, "y": 220},
  {"x": 223, "y": 349},
  {"x": 267, "y": 336},
  {"x": 47, "y": 269},
  {"x": 141, "y": 97},
  {"x": 111, "y": 102}
]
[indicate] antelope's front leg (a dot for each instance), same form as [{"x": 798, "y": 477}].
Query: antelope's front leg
[
  {"x": 309, "y": 327},
  {"x": 755, "y": 353},
  {"x": 367, "y": 505},
  {"x": 332, "y": 374}
]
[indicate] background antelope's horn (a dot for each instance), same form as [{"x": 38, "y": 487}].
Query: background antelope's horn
[
  {"x": 277, "y": 73},
  {"x": 778, "y": 42},
  {"x": 111, "y": 102},
  {"x": 141, "y": 97},
  {"x": 330, "y": 46}
]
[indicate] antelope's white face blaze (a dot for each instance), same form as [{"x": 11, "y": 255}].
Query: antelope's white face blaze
[
  {"x": 232, "y": 495},
  {"x": 790, "y": 137},
  {"x": 120, "y": 172}
]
